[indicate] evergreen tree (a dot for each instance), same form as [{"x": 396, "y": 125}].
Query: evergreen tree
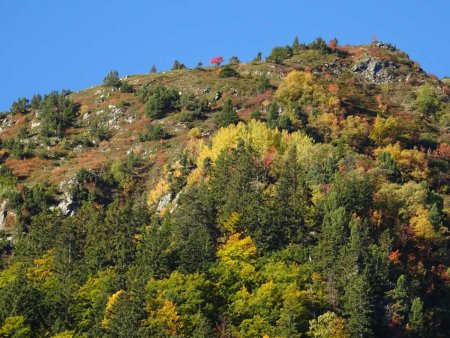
[
  {"x": 416, "y": 318},
  {"x": 228, "y": 114},
  {"x": 153, "y": 69},
  {"x": 358, "y": 306},
  {"x": 258, "y": 57},
  {"x": 112, "y": 79},
  {"x": 295, "y": 45}
]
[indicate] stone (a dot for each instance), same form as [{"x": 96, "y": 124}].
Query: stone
[
  {"x": 164, "y": 201},
  {"x": 376, "y": 70}
]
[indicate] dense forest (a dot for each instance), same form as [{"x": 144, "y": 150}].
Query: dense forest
[{"x": 306, "y": 195}]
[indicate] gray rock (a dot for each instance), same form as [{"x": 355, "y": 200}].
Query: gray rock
[
  {"x": 376, "y": 70},
  {"x": 3, "y": 214},
  {"x": 164, "y": 201}
]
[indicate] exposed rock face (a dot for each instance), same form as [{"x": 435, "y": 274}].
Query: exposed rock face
[
  {"x": 376, "y": 70},
  {"x": 165, "y": 200},
  {"x": 3, "y": 213},
  {"x": 6, "y": 216},
  {"x": 67, "y": 205}
]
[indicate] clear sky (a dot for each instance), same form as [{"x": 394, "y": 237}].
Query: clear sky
[{"x": 72, "y": 44}]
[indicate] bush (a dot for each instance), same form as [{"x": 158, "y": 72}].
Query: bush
[
  {"x": 125, "y": 87},
  {"x": 279, "y": 54},
  {"x": 100, "y": 132},
  {"x": 263, "y": 83},
  {"x": 153, "y": 132},
  {"x": 112, "y": 79},
  {"x": 227, "y": 71},
  {"x": 160, "y": 101}
]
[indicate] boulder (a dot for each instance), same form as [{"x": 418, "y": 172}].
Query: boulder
[{"x": 376, "y": 70}]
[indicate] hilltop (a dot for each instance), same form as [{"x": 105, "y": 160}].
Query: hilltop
[{"x": 272, "y": 197}]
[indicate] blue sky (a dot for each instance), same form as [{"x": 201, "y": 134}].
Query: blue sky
[{"x": 64, "y": 44}]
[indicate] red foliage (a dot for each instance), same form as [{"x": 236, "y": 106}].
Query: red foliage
[
  {"x": 443, "y": 151},
  {"x": 216, "y": 60}
]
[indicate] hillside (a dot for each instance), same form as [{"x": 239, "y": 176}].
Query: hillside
[{"x": 302, "y": 195}]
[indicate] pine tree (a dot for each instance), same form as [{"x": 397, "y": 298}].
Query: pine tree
[
  {"x": 358, "y": 306},
  {"x": 295, "y": 45},
  {"x": 416, "y": 318},
  {"x": 258, "y": 57},
  {"x": 153, "y": 69},
  {"x": 228, "y": 114}
]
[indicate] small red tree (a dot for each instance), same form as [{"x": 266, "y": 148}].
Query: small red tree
[{"x": 217, "y": 60}]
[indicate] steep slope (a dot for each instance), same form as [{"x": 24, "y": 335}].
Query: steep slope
[{"x": 271, "y": 198}]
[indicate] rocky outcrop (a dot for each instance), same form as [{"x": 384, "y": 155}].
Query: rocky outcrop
[{"x": 376, "y": 70}]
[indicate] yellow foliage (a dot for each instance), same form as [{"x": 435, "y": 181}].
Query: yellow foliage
[
  {"x": 195, "y": 133},
  {"x": 386, "y": 131},
  {"x": 42, "y": 268},
  {"x": 301, "y": 87},
  {"x": 231, "y": 221},
  {"x": 167, "y": 316},
  {"x": 161, "y": 188},
  {"x": 236, "y": 250},
  {"x": 328, "y": 124},
  {"x": 408, "y": 160},
  {"x": 255, "y": 134},
  {"x": 421, "y": 224},
  {"x": 112, "y": 300}
]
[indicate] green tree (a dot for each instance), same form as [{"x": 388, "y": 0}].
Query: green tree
[
  {"x": 153, "y": 69},
  {"x": 279, "y": 54},
  {"x": 428, "y": 101},
  {"x": 263, "y": 83},
  {"x": 178, "y": 65},
  {"x": 227, "y": 115},
  {"x": 15, "y": 327},
  {"x": 228, "y": 71},
  {"x": 358, "y": 306},
  {"x": 160, "y": 100},
  {"x": 416, "y": 318},
  {"x": 20, "y": 106},
  {"x": 234, "y": 60},
  {"x": 112, "y": 79},
  {"x": 258, "y": 57}
]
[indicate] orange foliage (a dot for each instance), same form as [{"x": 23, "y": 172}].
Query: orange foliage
[
  {"x": 394, "y": 256},
  {"x": 333, "y": 88}
]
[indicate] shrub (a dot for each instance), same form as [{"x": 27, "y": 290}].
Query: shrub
[
  {"x": 112, "y": 79},
  {"x": 153, "y": 132},
  {"x": 125, "y": 87},
  {"x": 279, "y": 54},
  {"x": 100, "y": 132},
  {"x": 160, "y": 101},
  {"x": 263, "y": 83},
  {"x": 227, "y": 71}
]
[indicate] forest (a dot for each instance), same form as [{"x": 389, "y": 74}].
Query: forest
[{"x": 315, "y": 205}]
